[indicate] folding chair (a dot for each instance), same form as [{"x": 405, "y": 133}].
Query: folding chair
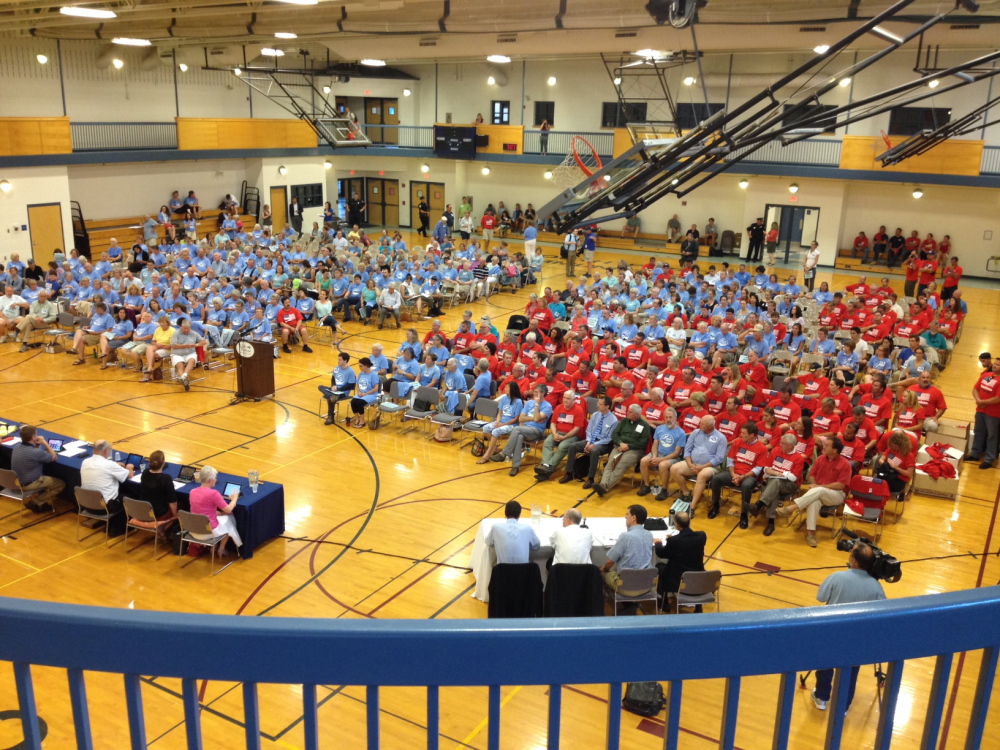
[
  {"x": 444, "y": 418},
  {"x": 11, "y": 487},
  {"x": 781, "y": 363},
  {"x": 635, "y": 580},
  {"x": 91, "y": 504},
  {"x": 197, "y": 529},
  {"x": 393, "y": 404},
  {"x": 700, "y": 587},
  {"x": 427, "y": 394},
  {"x": 866, "y": 503},
  {"x": 486, "y": 412},
  {"x": 141, "y": 518}
]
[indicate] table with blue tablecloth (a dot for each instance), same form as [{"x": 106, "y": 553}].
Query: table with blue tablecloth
[{"x": 259, "y": 515}]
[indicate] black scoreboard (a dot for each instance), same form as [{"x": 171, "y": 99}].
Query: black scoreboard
[{"x": 457, "y": 142}]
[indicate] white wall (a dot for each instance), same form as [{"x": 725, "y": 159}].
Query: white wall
[
  {"x": 111, "y": 191},
  {"x": 30, "y": 187},
  {"x": 303, "y": 170}
]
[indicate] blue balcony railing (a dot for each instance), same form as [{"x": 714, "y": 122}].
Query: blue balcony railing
[
  {"x": 492, "y": 653},
  {"x": 991, "y": 160},
  {"x": 401, "y": 136},
  {"x": 559, "y": 142},
  {"x": 817, "y": 152},
  {"x": 123, "y": 136}
]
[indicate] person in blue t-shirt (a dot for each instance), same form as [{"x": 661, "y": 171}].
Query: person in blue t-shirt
[
  {"x": 91, "y": 334},
  {"x": 668, "y": 447}
]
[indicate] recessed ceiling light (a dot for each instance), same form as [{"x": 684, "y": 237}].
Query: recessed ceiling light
[
  {"x": 689, "y": 80},
  {"x": 821, "y": 48},
  {"x": 486, "y": 170},
  {"x": 80, "y": 12},
  {"x": 183, "y": 67},
  {"x": 128, "y": 42},
  {"x": 793, "y": 188},
  {"x": 373, "y": 63},
  {"x": 498, "y": 59},
  {"x": 552, "y": 81},
  {"x": 237, "y": 72},
  {"x": 285, "y": 35},
  {"x": 42, "y": 59},
  {"x": 845, "y": 82},
  {"x": 268, "y": 52},
  {"x": 406, "y": 92}
]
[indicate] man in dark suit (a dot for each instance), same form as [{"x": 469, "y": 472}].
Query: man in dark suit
[
  {"x": 683, "y": 552},
  {"x": 295, "y": 215}
]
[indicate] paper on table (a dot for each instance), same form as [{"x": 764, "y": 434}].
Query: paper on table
[
  {"x": 75, "y": 444},
  {"x": 11, "y": 441},
  {"x": 178, "y": 485},
  {"x": 74, "y": 451}
]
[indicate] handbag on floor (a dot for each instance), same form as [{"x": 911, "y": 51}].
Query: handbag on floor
[{"x": 644, "y": 698}]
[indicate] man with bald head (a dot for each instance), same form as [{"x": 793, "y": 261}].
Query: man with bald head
[
  {"x": 630, "y": 437},
  {"x": 571, "y": 542},
  {"x": 704, "y": 452}
]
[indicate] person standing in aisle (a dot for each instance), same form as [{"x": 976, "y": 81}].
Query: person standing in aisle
[
  {"x": 424, "y": 211},
  {"x": 570, "y": 243},
  {"x": 809, "y": 265},
  {"x": 295, "y": 215},
  {"x": 755, "y": 232}
]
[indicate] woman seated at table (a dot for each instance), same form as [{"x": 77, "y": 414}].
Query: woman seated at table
[
  {"x": 208, "y": 501},
  {"x": 157, "y": 489}
]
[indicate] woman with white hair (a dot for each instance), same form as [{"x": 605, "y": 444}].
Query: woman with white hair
[{"x": 208, "y": 501}]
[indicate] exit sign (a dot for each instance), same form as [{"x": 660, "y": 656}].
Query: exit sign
[
  {"x": 510, "y": 147},
  {"x": 793, "y": 198}
]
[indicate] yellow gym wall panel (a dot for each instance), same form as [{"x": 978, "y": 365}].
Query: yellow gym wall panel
[
  {"x": 29, "y": 136},
  {"x": 956, "y": 156},
  {"x": 242, "y": 133}
]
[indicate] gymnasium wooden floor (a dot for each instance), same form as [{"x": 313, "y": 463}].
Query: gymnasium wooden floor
[{"x": 380, "y": 525}]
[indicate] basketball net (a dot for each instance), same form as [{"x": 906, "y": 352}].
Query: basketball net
[{"x": 580, "y": 163}]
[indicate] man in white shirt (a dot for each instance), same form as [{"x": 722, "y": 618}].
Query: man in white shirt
[
  {"x": 12, "y": 309},
  {"x": 572, "y": 543},
  {"x": 100, "y": 473},
  {"x": 389, "y": 302}
]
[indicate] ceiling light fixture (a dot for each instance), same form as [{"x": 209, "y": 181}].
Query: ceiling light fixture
[
  {"x": 793, "y": 188},
  {"x": 268, "y": 52},
  {"x": 552, "y": 81},
  {"x": 607, "y": 178},
  {"x": 486, "y": 170},
  {"x": 491, "y": 80},
  {"x": 282, "y": 170},
  {"x": 845, "y": 82},
  {"x": 183, "y": 67},
  {"x": 285, "y": 35},
  {"x": 650, "y": 53},
  {"x": 117, "y": 63},
  {"x": 744, "y": 183},
  {"x": 5, "y": 186},
  {"x": 328, "y": 164},
  {"x": 918, "y": 193},
  {"x": 129, "y": 42},
  {"x": 821, "y": 49},
  {"x": 689, "y": 80},
  {"x": 406, "y": 92},
  {"x": 81, "y": 12},
  {"x": 373, "y": 63},
  {"x": 547, "y": 175},
  {"x": 42, "y": 59},
  {"x": 618, "y": 81},
  {"x": 499, "y": 59},
  {"x": 424, "y": 168},
  {"x": 934, "y": 84},
  {"x": 326, "y": 89},
  {"x": 237, "y": 72}
]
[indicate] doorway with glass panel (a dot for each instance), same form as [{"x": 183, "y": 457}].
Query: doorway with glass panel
[{"x": 798, "y": 226}]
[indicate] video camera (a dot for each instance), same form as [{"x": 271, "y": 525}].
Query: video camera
[{"x": 885, "y": 567}]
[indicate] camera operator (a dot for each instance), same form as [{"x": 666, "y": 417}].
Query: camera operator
[{"x": 856, "y": 584}]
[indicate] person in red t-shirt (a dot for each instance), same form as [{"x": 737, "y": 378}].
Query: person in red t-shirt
[
  {"x": 986, "y": 393},
  {"x": 952, "y": 275},
  {"x": 655, "y": 409},
  {"x": 748, "y": 455},
  {"x": 291, "y": 321},
  {"x": 783, "y": 474},
  {"x": 878, "y": 403},
  {"x": 931, "y": 399},
  {"x": 636, "y": 354},
  {"x": 826, "y": 422},
  {"x": 896, "y": 465},
  {"x": 568, "y": 424},
  {"x": 690, "y": 418},
  {"x": 867, "y": 432},
  {"x": 756, "y": 373},
  {"x": 929, "y": 245},
  {"x": 716, "y": 397},
  {"x": 731, "y": 420},
  {"x": 624, "y": 400},
  {"x": 909, "y": 417},
  {"x": 584, "y": 381},
  {"x": 680, "y": 394},
  {"x": 854, "y": 448},
  {"x": 829, "y": 479},
  {"x": 928, "y": 272},
  {"x": 617, "y": 377},
  {"x": 488, "y": 223},
  {"x": 785, "y": 408}
]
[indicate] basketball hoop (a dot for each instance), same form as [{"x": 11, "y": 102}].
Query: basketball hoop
[
  {"x": 886, "y": 140},
  {"x": 582, "y": 161}
]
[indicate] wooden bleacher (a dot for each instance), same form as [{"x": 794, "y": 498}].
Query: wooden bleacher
[
  {"x": 845, "y": 262},
  {"x": 126, "y": 229},
  {"x": 654, "y": 244}
]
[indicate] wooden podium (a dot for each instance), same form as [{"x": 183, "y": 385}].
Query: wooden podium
[{"x": 254, "y": 369}]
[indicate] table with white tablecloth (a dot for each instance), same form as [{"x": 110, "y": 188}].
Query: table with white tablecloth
[{"x": 605, "y": 530}]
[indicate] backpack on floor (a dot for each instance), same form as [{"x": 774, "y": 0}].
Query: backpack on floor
[{"x": 644, "y": 698}]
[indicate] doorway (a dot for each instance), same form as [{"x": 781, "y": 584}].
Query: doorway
[
  {"x": 279, "y": 207},
  {"x": 381, "y": 112},
  {"x": 45, "y": 228},
  {"x": 798, "y": 226},
  {"x": 346, "y": 189},
  {"x": 383, "y": 202},
  {"x": 434, "y": 193}
]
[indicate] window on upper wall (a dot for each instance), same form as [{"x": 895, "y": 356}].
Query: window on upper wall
[
  {"x": 689, "y": 115},
  {"x": 618, "y": 114},
  {"x": 911, "y": 120},
  {"x": 545, "y": 111},
  {"x": 501, "y": 113},
  {"x": 310, "y": 196},
  {"x": 829, "y": 126}
]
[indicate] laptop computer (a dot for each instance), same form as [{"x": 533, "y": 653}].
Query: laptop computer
[{"x": 186, "y": 474}]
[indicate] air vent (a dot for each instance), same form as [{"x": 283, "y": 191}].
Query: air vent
[
  {"x": 428, "y": 42},
  {"x": 809, "y": 29},
  {"x": 507, "y": 39},
  {"x": 626, "y": 34},
  {"x": 217, "y": 51},
  {"x": 963, "y": 26}
]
